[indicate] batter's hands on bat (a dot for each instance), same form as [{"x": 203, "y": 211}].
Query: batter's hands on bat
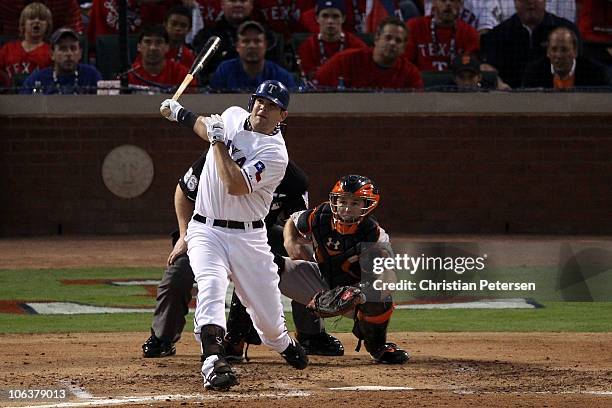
[
  {"x": 170, "y": 109},
  {"x": 179, "y": 249},
  {"x": 215, "y": 129}
]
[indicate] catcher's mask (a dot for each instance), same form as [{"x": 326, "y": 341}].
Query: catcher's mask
[
  {"x": 273, "y": 91},
  {"x": 351, "y": 200}
]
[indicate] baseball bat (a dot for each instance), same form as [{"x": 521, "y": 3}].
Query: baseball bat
[{"x": 209, "y": 49}]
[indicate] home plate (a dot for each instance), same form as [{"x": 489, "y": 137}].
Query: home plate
[{"x": 372, "y": 388}]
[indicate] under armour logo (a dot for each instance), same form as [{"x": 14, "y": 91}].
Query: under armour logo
[
  {"x": 330, "y": 243},
  {"x": 272, "y": 88}
]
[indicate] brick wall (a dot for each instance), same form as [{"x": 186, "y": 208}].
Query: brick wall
[{"x": 491, "y": 173}]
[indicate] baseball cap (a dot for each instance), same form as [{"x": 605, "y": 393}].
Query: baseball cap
[
  {"x": 62, "y": 32},
  {"x": 466, "y": 62},
  {"x": 250, "y": 24},
  {"x": 323, "y": 4}
]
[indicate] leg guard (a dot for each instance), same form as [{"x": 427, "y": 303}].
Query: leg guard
[{"x": 211, "y": 338}]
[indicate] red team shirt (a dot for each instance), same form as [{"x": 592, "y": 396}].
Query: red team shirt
[
  {"x": 282, "y": 16},
  {"x": 593, "y": 14},
  {"x": 358, "y": 70},
  {"x": 310, "y": 51},
  {"x": 428, "y": 56},
  {"x": 14, "y": 59},
  {"x": 104, "y": 19},
  {"x": 173, "y": 74}
]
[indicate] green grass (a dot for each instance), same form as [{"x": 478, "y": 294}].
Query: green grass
[
  {"x": 554, "y": 317},
  {"x": 45, "y": 285}
]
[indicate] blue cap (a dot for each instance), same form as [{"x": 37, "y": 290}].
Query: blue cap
[
  {"x": 273, "y": 91},
  {"x": 323, "y": 4}
]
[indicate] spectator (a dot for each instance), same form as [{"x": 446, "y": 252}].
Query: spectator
[
  {"x": 283, "y": 16},
  {"x": 178, "y": 23},
  {"x": 30, "y": 52},
  {"x": 234, "y": 13},
  {"x": 250, "y": 68},
  {"x": 562, "y": 68},
  {"x": 519, "y": 40},
  {"x": 357, "y": 18},
  {"x": 595, "y": 24},
  {"x": 153, "y": 70},
  {"x": 318, "y": 48},
  {"x": 382, "y": 67},
  {"x": 466, "y": 73},
  {"x": 104, "y": 19},
  {"x": 436, "y": 40},
  {"x": 483, "y": 15},
  {"x": 210, "y": 10},
  {"x": 67, "y": 75},
  {"x": 66, "y": 13}
]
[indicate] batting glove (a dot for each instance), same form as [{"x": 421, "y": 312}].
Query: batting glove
[
  {"x": 170, "y": 109},
  {"x": 215, "y": 129}
]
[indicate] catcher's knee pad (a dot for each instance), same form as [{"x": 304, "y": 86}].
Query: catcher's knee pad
[
  {"x": 211, "y": 338},
  {"x": 375, "y": 312},
  {"x": 371, "y": 321}
]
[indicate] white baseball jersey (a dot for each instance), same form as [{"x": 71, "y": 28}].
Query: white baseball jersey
[
  {"x": 486, "y": 14},
  {"x": 263, "y": 160}
]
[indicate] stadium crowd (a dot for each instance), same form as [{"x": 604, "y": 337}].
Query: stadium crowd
[{"x": 68, "y": 46}]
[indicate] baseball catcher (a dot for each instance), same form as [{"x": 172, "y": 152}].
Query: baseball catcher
[{"x": 340, "y": 231}]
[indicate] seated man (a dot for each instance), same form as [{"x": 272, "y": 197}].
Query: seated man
[
  {"x": 381, "y": 67},
  {"x": 330, "y": 39},
  {"x": 562, "y": 67},
  {"x": 437, "y": 39},
  {"x": 66, "y": 76},
  {"x": 466, "y": 73},
  {"x": 250, "y": 68},
  {"x": 152, "y": 69}
]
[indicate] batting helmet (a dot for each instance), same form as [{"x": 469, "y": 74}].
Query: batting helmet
[
  {"x": 351, "y": 200},
  {"x": 273, "y": 91}
]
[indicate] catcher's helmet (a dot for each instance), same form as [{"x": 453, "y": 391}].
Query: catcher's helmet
[
  {"x": 352, "y": 187},
  {"x": 273, "y": 91}
]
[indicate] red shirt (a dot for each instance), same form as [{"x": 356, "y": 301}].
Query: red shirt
[
  {"x": 66, "y": 13},
  {"x": 172, "y": 74},
  {"x": 14, "y": 59},
  {"x": 428, "y": 56},
  {"x": 310, "y": 51},
  {"x": 183, "y": 55},
  {"x": 358, "y": 70},
  {"x": 104, "y": 19},
  {"x": 593, "y": 14},
  {"x": 210, "y": 10},
  {"x": 283, "y": 16}
]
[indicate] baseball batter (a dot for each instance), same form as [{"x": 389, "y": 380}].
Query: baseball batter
[{"x": 226, "y": 238}]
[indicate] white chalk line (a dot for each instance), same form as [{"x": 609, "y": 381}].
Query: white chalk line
[
  {"x": 79, "y": 392},
  {"x": 106, "y": 401}
]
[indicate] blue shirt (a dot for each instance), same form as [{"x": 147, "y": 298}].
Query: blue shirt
[
  {"x": 231, "y": 75},
  {"x": 85, "y": 82}
]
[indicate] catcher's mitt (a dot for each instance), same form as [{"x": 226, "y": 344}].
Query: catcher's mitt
[{"x": 336, "y": 301}]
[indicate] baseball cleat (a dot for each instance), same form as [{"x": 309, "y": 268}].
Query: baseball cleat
[
  {"x": 234, "y": 351},
  {"x": 218, "y": 374},
  {"x": 390, "y": 353},
  {"x": 156, "y": 347},
  {"x": 321, "y": 344},
  {"x": 295, "y": 355}
]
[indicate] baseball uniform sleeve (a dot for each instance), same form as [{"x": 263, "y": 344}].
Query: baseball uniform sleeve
[
  {"x": 267, "y": 168},
  {"x": 303, "y": 224},
  {"x": 191, "y": 179}
]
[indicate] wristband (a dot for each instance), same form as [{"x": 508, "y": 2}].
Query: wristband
[{"x": 186, "y": 118}]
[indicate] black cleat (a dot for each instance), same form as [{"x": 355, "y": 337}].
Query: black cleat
[
  {"x": 321, "y": 344},
  {"x": 390, "y": 353},
  {"x": 156, "y": 347},
  {"x": 220, "y": 376},
  {"x": 295, "y": 355},
  {"x": 234, "y": 352}
]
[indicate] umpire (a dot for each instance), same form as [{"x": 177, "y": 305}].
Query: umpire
[{"x": 174, "y": 291}]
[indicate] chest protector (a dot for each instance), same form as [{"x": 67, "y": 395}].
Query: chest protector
[{"x": 338, "y": 254}]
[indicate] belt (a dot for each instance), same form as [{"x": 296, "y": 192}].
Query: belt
[{"x": 229, "y": 223}]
